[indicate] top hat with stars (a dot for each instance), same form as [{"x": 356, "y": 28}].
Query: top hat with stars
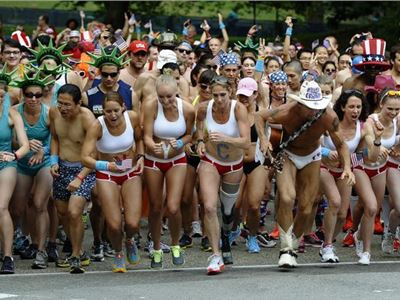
[{"x": 373, "y": 55}]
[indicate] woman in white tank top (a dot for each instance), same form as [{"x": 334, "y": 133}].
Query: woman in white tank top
[
  {"x": 351, "y": 109},
  {"x": 168, "y": 123},
  {"x": 221, "y": 166},
  {"x": 379, "y": 137},
  {"x": 117, "y": 139}
]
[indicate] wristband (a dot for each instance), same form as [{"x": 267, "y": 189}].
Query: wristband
[
  {"x": 80, "y": 177},
  {"x": 325, "y": 152},
  {"x": 101, "y": 165},
  {"x": 15, "y": 155},
  {"x": 46, "y": 150},
  {"x": 221, "y": 25},
  {"x": 377, "y": 144},
  {"x": 53, "y": 160},
  {"x": 185, "y": 31},
  {"x": 260, "y": 66},
  {"x": 179, "y": 143},
  {"x": 139, "y": 156},
  {"x": 289, "y": 31}
]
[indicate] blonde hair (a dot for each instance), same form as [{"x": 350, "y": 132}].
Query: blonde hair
[{"x": 166, "y": 80}]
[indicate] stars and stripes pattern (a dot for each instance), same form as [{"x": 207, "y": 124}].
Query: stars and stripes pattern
[
  {"x": 121, "y": 44},
  {"x": 356, "y": 159},
  {"x": 228, "y": 59},
  {"x": 278, "y": 76},
  {"x": 374, "y": 50}
]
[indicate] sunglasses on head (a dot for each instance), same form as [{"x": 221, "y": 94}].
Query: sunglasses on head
[
  {"x": 220, "y": 80},
  {"x": 112, "y": 75},
  {"x": 354, "y": 92},
  {"x": 31, "y": 95},
  {"x": 184, "y": 51}
]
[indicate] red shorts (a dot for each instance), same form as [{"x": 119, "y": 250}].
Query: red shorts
[
  {"x": 372, "y": 172},
  {"x": 335, "y": 174},
  {"x": 163, "y": 165},
  {"x": 223, "y": 169},
  {"x": 391, "y": 163},
  {"x": 118, "y": 179}
]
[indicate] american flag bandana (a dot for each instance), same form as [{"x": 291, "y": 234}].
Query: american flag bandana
[
  {"x": 278, "y": 76},
  {"x": 228, "y": 59}
]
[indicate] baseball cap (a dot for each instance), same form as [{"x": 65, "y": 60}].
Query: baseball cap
[
  {"x": 247, "y": 86},
  {"x": 166, "y": 56},
  {"x": 137, "y": 46}
]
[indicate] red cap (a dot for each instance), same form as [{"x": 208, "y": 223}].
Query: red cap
[{"x": 137, "y": 46}]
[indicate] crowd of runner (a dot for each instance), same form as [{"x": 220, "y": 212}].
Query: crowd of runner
[{"x": 103, "y": 124}]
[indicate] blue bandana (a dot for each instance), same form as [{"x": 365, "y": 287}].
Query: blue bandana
[
  {"x": 228, "y": 59},
  {"x": 278, "y": 76}
]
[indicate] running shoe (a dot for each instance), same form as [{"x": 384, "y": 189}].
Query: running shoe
[
  {"x": 302, "y": 246},
  {"x": 349, "y": 223},
  {"x": 177, "y": 255},
  {"x": 85, "y": 259},
  {"x": 348, "y": 240},
  {"x": 265, "y": 241},
  {"x": 359, "y": 245},
  {"x": 396, "y": 245},
  {"x": 8, "y": 266},
  {"x": 156, "y": 259},
  {"x": 287, "y": 259},
  {"x": 196, "y": 229},
  {"x": 328, "y": 255},
  {"x": 52, "y": 252},
  {"x": 30, "y": 252},
  {"x": 365, "y": 258},
  {"x": 320, "y": 233},
  {"x": 215, "y": 265},
  {"x": 41, "y": 260},
  {"x": 132, "y": 251},
  {"x": 97, "y": 252},
  {"x": 205, "y": 244},
  {"x": 233, "y": 235},
  {"x": 108, "y": 250},
  {"x": 61, "y": 236},
  {"x": 20, "y": 244},
  {"x": 185, "y": 241},
  {"x": 275, "y": 233},
  {"x": 387, "y": 243},
  {"x": 119, "y": 263},
  {"x": 252, "y": 245},
  {"x": 75, "y": 266},
  {"x": 378, "y": 227},
  {"x": 312, "y": 240}
]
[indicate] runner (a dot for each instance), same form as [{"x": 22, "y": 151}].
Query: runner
[
  {"x": 72, "y": 183},
  {"x": 165, "y": 159},
  {"x": 298, "y": 161},
  {"x": 117, "y": 136},
  {"x": 221, "y": 168}
]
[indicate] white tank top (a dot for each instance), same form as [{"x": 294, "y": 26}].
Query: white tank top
[
  {"x": 230, "y": 128},
  {"x": 116, "y": 144},
  {"x": 165, "y": 129},
  {"x": 352, "y": 144}
]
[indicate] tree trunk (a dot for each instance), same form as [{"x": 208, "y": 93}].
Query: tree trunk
[{"x": 114, "y": 13}]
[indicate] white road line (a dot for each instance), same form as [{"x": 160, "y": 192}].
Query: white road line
[
  {"x": 6, "y": 296},
  {"x": 204, "y": 268}
]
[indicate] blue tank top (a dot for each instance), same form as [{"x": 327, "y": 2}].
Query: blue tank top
[
  {"x": 39, "y": 131},
  {"x": 5, "y": 130},
  {"x": 96, "y": 98}
]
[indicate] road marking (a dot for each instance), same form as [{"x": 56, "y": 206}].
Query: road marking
[
  {"x": 5, "y": 296},
  {"x": 204, "y": 268}
]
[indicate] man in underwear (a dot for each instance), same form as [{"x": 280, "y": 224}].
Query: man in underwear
[
  {"x": 73, "y": 183},
  {"x": 298, "y": 174}
]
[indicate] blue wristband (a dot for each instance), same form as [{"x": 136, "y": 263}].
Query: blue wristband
[
  {"x": 53, "y": 160},
  {"x": 101, "y": 165},
  {"x": 325, "y": 152},
  {"x": 179, "y": 143},
  {"x": 260, "y": 66},
  {"x": 221, "y": 25},
  {"x": 289, "y": 31},
  {"x": 46, "y": 150},
  {"x": 185, "y": 31}
]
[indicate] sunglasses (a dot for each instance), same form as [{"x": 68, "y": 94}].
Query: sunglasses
[
  {"x": 31, "y": 95},
  {"x": 11, "y": 52},
  {"x": 112, "y": 75},
  {"x": 220, "y": 80},
  {"x": 213, "y": 67},
  {"x": 184, "y": 51},
  {"x": 354, "y": 92},
  {"x": 106, "y": 37},
  {"x": 204, "y": 86},
  {"x": 330, "y": 70}
]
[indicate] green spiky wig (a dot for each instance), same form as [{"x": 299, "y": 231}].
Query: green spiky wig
[
  {"x": 104, "y": 58},
  {"x": 51, "y": 52},
  {"x": 31, "y": 81},
  {"x": 6, "y": 77}
]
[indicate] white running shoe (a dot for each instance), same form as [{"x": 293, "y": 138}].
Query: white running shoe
[
  {"x": 215, "y": 265},
  {"x": 328, "y": 255},
  {"x": 387, "y": 243},
  {"x": 359, "y": 244},
  {"x": 365, "y": 259},
  {"x": 287, "y": 259},
  {"x": 196, "y": 229}
]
